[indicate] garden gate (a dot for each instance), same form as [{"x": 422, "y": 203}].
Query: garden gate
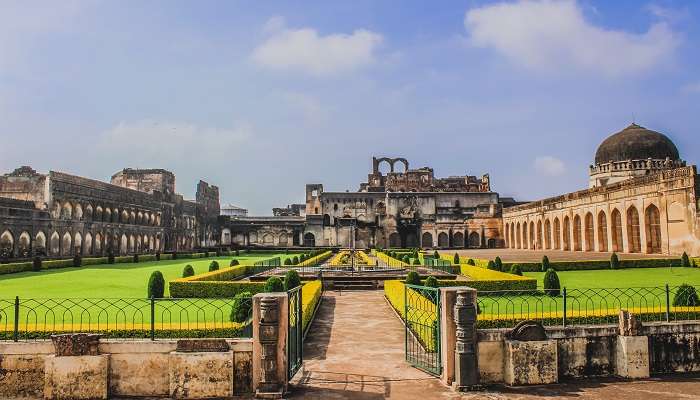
[
  {"x": 295, "y": 335},
  {"x": 422, "y": 313}
]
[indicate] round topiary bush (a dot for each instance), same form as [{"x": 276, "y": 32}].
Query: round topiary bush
[
  {"x": 515, "y": 269},
  {"x": 295, "y": 260},
  {"x": 455, "y": 259},
  {"x": 214, "y": 266},
  {"x": 499, "y": 263},
  {"x": 302, "y": 258},
  {"x": 36, "y": 264},
  {"x": 273, "y": 284},
  {"x": 552, "y": 287},
  {"x": 412, "y": 278},
  {"x": 431, "y": 282},
  {"x": 291, "y": 280},
  {"x": 241, "y": 307},
  {"x": 614, "y": 261},
  {"x": 233, "y": 263},
  {"x": 545, "y": 264},
  {"x": 287, "y": 261},
  {"x": 436, "y": 255},
  {"x": 492, "y": 266},
  {"x": 187, "y": 271},
  {"x": 77, "y": 260},
  {"x": 686, "y": 296},
  {"x": 156, "y": 285},
  {"x": 685, "y": 260},
  {"x": 471, "y": 262}
]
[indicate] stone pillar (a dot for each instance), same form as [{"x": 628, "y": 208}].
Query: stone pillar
[
  {"x": 466, "y": 369},
  {"x": 270, "y": 329},
  {"x": 632, "y": 350},
  {"x": 201, "y": 369},
  {"x": 77, "y": 359}
]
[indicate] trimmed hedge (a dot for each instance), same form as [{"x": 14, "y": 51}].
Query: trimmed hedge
[
  {"x": 489, "y": 280},
  {"x": 210, "y": 289},
  {"x": 310, "y": 296},
  {"x": 588, "y": 265}
]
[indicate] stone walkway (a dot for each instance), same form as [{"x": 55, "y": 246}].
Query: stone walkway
[{"x": 355, "y": 350}]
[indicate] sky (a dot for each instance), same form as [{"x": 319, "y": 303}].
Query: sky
[{"x": 261, "y": 98}]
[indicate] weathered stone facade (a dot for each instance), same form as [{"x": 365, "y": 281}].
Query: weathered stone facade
[
  {"x": 651, "y": 211},
  {"x": 58, "y": 214}
]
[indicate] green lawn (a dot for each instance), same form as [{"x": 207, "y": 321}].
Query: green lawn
[
  {"x": 624, "y": 278},
  {"x": 108, "y": 280}
]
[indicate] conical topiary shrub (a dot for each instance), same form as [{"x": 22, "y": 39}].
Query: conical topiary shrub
[
  {"x": 455, "y": 259},
  {"x": 545, "y": 264},
  {"x": 685, "y": 260},
  {"x": 291, "y": 280},
  {"x": 686, "y": 296},
  {"x": 412, "y": 278},
  {"x": 552, "y": 287},
  {"x": 614, "y": 261},
  {"x": 187, "y": 271},
  {"x": 156, "y": 285},
  {"x": 499, "y": 263}
]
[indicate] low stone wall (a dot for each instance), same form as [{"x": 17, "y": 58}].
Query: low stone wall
[
  {"x": 125, "y": 368},
  {"x": 589, "y": 351}
]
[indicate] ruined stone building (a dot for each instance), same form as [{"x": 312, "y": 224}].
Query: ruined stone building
[
  {"x": 57, "y": 214},
  {"x": 642, "y": 199}
]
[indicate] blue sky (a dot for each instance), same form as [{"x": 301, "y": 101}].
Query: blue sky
[{"x": 261, "y": 98}]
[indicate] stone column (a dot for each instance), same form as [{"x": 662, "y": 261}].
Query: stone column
[
  {"x": 270, "y": 328},
  {"x": 77, "y": 359},
  {"x": 466, "y": 369},
  {"x": 632, "y": 350}
]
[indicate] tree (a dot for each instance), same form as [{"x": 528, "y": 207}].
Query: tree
[
  {"x": 156, "y": 285},
  {"x": 436, "y": 255},
  {"x": 552, "y": 287},
  {"x": 214, "y": 266},
  {"x": 187, "y": 271},
  {"x": 241, "y": 307},
  {"x": 471, "y": 262},
  {"x": 295, "y": 260},
  {"x": 412, "y": 278},
  {"x": 455, "y": 260},
  {"x": 233, "y": 263},
  {"x": 515, "y": 269},
  {"x": 273, "y": 284},
  {"x": 291, "y": 280},
  {"x": 685, "y": 260},
  {"x": 686, "y": 296},
  {"x": 545, "y": 264},
  {"x": 287, "y": 261},
  {"x": 499, "y": 263},
  {"x": 614, "y": 261}
]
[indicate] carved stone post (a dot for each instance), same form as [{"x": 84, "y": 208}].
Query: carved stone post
[
  {"x": 270, "y": 325},
  {"x": 466, "y": 365},
  {"x": 77, "y": 370},
  {"x": 632, "y": 349}
]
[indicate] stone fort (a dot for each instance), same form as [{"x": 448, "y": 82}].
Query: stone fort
[{"x": 642, "y": 198}]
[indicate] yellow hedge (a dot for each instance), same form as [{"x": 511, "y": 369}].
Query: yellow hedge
[
  {"x": 387, "y": 259},
  {"x": 336, "y": 260},
  {"x": 365, "y": 258},
  {"x": 310, "y": 296},
  {"x": 422, "y": 321},
  {"x": 316, "y": 259}
]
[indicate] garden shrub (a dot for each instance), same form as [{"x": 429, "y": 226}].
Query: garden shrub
[
  {"x": 233, "y": 263},
  {"x": 431, "y": 282},
  {"x": 238, "y": 253},
  {"x": 685, "y": 261},
  {"x": 214, "y": 266},
  {"x": 412, "y": 278},
  {"x": 499, "y": 263},
  {"x": 686, "y": 296},
  {"x": 436, "y": 255},
  {"x": 110, "y": 257},
  {"x": 545, "y": 264},
  {"x": 455, "y": 259},
  {"x": 614, "y": 261},
  {"x": 158, "y": 256},
  {"x": 291, "y": 280},
  {"x": 135, "y": 258},
  {"x": 416, "y": 261},
  {"x": 302, "y": 258},
  {"x": 471, "y": 262},
  {"x": 287, "y": 261},
  {"x": 241, "y": 307},
  {"x": 187, "y": 271},
  {"x": 36, "y": 264},
  {"x": 273, "y": 284},
  {"x": 295, "y": 260},
  {"x": 406, "y": 259},
  {"x": 77, "y": 260},
  {"x": 156, "y": 285},
  {"x": 174, "y": 256},
  {"x": 516, "y": 270},
  {"x": 492, "y": 266},
  {"x": 552, "y": 287}
]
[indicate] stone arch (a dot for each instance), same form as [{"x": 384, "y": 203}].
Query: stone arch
[
  {"x": 123, "y": 244},
  {"x": 518, "y": 236},
  {"x": 7, "y": 244},
  {"x": 578, "y": 242},
  {"x": 588, "y": 233},
  {"x": 427, "y": 240},
  {"x": 283, "y": 239},
  {"x": 394, "y": 240},
  {"x": 443, "y": 240},
  {"x": 458, "y": 239},
  {"x": 67, "y": 210},
  {"x": 401, "y": 161},
  {"x": 139, "y": 218},
  {"x": 115, "y": 215},
  {"x": 616, "y": 220},
  {"x": 676, "y": 212},
  {"x": 132, "y": 217},
  {"x": 98, "y": 243},
  {"x": 652, "y": 219},
  {"x": 139, "y": 244},
  {"x": 474, "y": 239},
  {"x": 40, "y": 243},
  {"x": 124, "y": 217},
  {"x": 602, "y": 232},
  {"x": 87, "y": 246},
  {"x": 89, "y": 213},
  {"x": 78, "y": 243},
  {"x": 98, "y": 213},
  {"x": 557, "y": 234},
  {"x": 567, "y": 233},
  {"x": 547, "y": 234},
  {"x": 326, "y": 220},
  {"x": 55, "y": 244},
  {"x": 634, "y": 239},
  {"x": 24, "y": 244},
  {"x": 225, "y": 236},
  {"x": 66, "y": 244},
  {"x": 78, "y": 212},
  {"x": 132, "y": 243},
  {"x": 253, "y": 237},
  {"x": 309, "y": 240},
  {"x": 152, "y": 243},
  {"x": 268, "y": 239},
  {"x": 56, "y": 210}
]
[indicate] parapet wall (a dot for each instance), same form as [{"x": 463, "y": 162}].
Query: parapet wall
[{"x": 129, "y": 368}]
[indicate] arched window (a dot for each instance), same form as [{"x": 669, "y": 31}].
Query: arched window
[
  {"x": 652, "y": 219},
  {"x": 443, "y": 240},
  {"x": 577, "y": 234},
  {"x": 40, "y": 244},
  {"x": 66, "y": 244},
  {"x": 7, "y": 244},
  {"x": 458, "y": 239},
  {"x": 78, "y": 243},
  {"x": 547, "y": 234},
  {"x": 589, "y": 232},
  {"x": 474, "y": 240},
  {"x": 616, "y": 231},
  {"x": 282, "y": 240},
  {"x": 55, "y": 244},
  {"x": 427, "y": 240},
  {"x": 309, "y": 240},
  {"x": 634, "y": 241},
  {"x": 557, "y": 234},
  {"x": 67, "y": 211},
  {"x": 602, "y": 232}
]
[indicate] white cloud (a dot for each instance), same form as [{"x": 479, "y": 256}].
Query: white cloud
[
  {"x": 305, "y": 50},
  {"x": 549, "y": 35},
  {"x": 151, "y": 142},
  {"x": 550, "y": 166},
  {"x": 667, "y": 13}
]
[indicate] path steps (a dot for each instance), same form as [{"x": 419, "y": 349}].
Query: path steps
[{"x": 354, "y": 285}]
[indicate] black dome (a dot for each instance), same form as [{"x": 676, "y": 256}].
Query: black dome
[{"x": 636, "y": 143}]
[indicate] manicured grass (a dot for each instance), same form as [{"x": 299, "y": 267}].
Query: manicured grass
[
  {"x": 109, "y": 280},
  {"x": 624, "y": 278}
]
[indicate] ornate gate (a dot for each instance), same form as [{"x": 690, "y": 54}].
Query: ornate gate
[
  {"x": 422, "y": 313},
  {"x": 295, "y": 336}
]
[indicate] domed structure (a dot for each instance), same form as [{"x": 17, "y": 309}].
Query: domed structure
[
  {"x": 636, "y": 143},
  {"x": 634, "y": 151}
]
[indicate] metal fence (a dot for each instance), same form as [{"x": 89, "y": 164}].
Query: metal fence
[
  {"x": 295, "y": 335},
  {"x": 422, "y": 325},
  {"x": 503, "y": 309},
  {"x": 26, "y": 319}
]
